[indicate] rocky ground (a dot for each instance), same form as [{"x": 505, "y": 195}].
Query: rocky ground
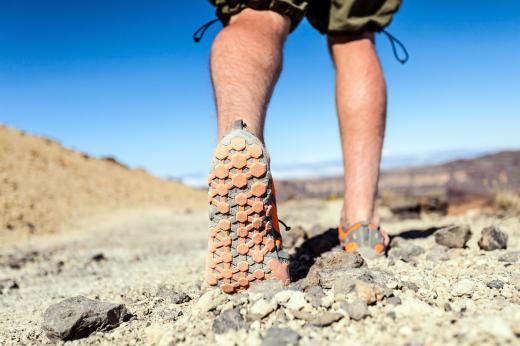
[{"x": 142, "y": 275}]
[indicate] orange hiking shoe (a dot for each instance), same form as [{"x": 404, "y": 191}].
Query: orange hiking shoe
[
  {"x": 366, "y": 238},
  {"x": 244, "y": 233}
]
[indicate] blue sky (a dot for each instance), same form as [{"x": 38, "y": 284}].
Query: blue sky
[{"x": 125, "y": 79}]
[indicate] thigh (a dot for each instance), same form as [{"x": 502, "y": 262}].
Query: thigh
[
  {"x": 294, "y": 9},
  {"x": 351, "y": 16}
]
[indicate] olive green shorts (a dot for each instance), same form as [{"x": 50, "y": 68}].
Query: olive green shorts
[{"x": 328, "y": 16}]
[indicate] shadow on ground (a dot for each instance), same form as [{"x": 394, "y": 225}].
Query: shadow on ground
[{"x": 306, "y": 254}]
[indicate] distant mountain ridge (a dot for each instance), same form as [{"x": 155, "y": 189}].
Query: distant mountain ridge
[
  {"x": 334, "y": 167},
  {"x": 464, "y": 177}
]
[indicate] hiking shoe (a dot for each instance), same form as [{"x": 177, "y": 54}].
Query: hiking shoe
[
  {"x": 244, "y": 233},
  {"x": 366, "y": 238}
]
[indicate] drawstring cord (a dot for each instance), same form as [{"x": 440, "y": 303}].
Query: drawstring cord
[
  {"x": 287, "y": 228},
  {"x": 393, "y": 41},
  {"x": 197, "y": 35}
]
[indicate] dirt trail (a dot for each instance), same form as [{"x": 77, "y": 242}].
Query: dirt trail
[{"x": 142, "y": 259}]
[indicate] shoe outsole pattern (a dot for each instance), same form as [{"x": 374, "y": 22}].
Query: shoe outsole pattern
[
  {"x": 243, "y": 241},
  {"x": 365, "y": 238}
]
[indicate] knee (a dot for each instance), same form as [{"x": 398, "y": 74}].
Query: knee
[{"x": 266, "y": 22}]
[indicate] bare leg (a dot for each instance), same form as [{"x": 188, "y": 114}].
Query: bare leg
[
  {"x": 246, "y": 60},
  {"x": 361, "y": 107}
]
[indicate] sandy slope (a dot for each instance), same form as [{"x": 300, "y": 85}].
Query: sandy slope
[
  {"x": 44, "y": 186},
  {"x": 146, "y": 255}
]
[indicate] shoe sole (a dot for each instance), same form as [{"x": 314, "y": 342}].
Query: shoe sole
[
  {"x": 241, "y": 247},
  {"x": 368, "y": 241}
]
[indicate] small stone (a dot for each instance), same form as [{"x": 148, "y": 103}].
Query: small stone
[
  {"x": 333, "y": 260},
  {"x": 281, "y": 337},
  {"x": 283, "y": 297},
  {"x": 229, "y": 320},
  {"x": 98, "y": 257},
  {"x": 325, "y": 319},
  {"x": 262, "y": 307},
  {"x": 315, "y": 296},
  {"x": 391, "y": 314},
  {"x": 438, "y": 253},
  {"x": 7, "y": 285},
  {"x": 406, "y": 252},
  {"x": 321, "y": 319},
  {"x": 497, "y": 284},
  {"x": 175, "y": 296},
  {"x": 179, "y": 298},
  {"x": 507, "y": 293},
  {"x": 297, "y": 301},
  {"x": 411, "y": 308},
  {"x": 463, "y": 287},
  {"x": 397, "y": 242},
  {"x": 357, "y": 310},
  {"x": 365, "y": 292},
  {"x": 492, "y": 239},
  {"x": 78, "y": 317},
  {"x": 411, "y": 286},
  {"x": 267, "y": 288},
  {"x": 210, "y": 300},
  {"x": 511, "y": 257},
  {"x": 453, "y": 236},
  {"x": 394, "y": 300},
  {"x": 496, "y": 326},
  {"x": 343, "y": 279}
]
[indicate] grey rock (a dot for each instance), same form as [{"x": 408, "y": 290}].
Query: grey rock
[
  {"x": 492, "y": 239},
  {"x": 210, "y": 300},
  {"x": 179, "y": 297},
  {"x": 326, "y": 319},
  {"x": 297, "y": 301},
  {"x": 332, "y": 260},
  {"x": 98, "y": 257},
  {"x": 397, "y": 242},
  {"x": 394, "y": 300},
  {"x": 391, "y": 314},
  {"x": 370, "y": 293},
  {"x": 281, "y": 337},
  {"x": 229, "y": 320},
  {"x": 463, "y": 287},
  {"x": 411, "y": 286},
  {"x": 262, "y": 308},
  {"x": 315, "y": 295},
  {"x": 407, "y": 252},
  {"x": 357, "y": 310},
  {"x": 268, "y": 288},
  {"x": 175, "y": 296},
  {"x": 510, "y": 256},
  {"x": 7, "y": 285},
  {"x": 169, "y": 314},
  {"x": 18, "y": 259},
  {"x": 438, "y": 253},
  {"x": 453, "y": 236},
  {"x": 322, "y": 319},
  {"x": 497, "y": 284},
  {"x": 346, "y": 277},
  {"x": 78, "y": 317}
]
